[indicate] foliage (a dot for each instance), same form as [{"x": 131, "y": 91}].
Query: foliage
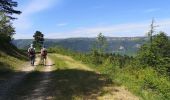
[
  {"x": 9, "y": 63},
  {"x": 38, "y": 39},
  {"x": 7, "y": 7},
  {"x": 161, "y": 45},
  {"x": 11, "y": 59},
  {"x": 100, "y": 44},
  {"x": 99, "y": 49},
  {"x": 145, "y": 82},
  {"x": 10, "y": 56},
  {"x": 156, "y": 54},
  {"x": 6, "y": 29}
]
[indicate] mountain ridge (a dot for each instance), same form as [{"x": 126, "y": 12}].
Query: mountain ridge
[{"x": 122, "y": 45}]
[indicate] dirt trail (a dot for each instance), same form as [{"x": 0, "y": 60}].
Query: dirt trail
[
  {"x": 7, "y": 85},
  {"x": 30, "y": 68},
  {"x": 117, "y": 93},
  {"x": 75, "y": 82},
  {"x": 39, "y": 93}
]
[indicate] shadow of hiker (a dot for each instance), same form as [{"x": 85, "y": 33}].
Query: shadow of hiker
[{"x": 49, "y": 64}]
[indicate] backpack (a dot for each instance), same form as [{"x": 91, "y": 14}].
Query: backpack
[
  {"x": 44, "y": 52},
  {"x": 31, "y": 51}
]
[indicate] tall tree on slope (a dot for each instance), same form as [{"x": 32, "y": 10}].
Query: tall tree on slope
[{"x": 38, "y": 39}]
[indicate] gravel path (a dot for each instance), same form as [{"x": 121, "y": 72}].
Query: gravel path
[
  {"x": 39, "y": 93},
  {"x": 7, "y": 85}
]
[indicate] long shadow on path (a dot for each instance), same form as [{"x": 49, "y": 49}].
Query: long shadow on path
[
  {"x": 70, "y": 83},
  {"x": 64, "y": 84}
]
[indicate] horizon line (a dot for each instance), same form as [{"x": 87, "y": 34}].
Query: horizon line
[{"x": 86, "y": 37}]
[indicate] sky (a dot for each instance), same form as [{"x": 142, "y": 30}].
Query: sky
[{"x": 88, "y": 18}]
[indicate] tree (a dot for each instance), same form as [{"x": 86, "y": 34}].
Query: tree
[
  {"x": 146, "y": 57},
  {"x": 6, "y": 29},
  {"x": 101, "y": 43},
  {"x": 99, "y": 48},
  {"x": 151, "y": 32},
  {"x": 6, "y": 10},
  {"x": 159, "y": 56},
  {"x": 161, "y": 45},
  {"x": 38, "y": 39},
  {"x": 146, "y": 52},
  {"x": 7, "y": 7},
  {"x": 161, "y": 48}
]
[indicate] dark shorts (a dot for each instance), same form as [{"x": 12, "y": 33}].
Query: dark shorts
[{"x": 32, "y": 57}]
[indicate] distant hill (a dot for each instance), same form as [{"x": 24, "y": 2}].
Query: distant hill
[
  {"x": 22, "y": 43},
  {"x": 122, "y": 45}
]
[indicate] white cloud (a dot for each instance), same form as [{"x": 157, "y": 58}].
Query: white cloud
[
  {"x": 37, "y": 5},
  {"x": 24, "y": 22},
  {"x": 62, "y": 24},
  {"x": 152, "y": 10},
  {"x": 120, "y": 30}
]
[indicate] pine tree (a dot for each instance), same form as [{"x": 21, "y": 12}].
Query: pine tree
[
  {"x": 6, "y": 29},
  {"x": 101, "y": 43},
  {"x": 38, "y": 39},
  {"x": 7, "y": 7}
]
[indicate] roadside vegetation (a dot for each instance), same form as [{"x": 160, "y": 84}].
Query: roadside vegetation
[
  {"x": 10, "y": 56},
  {"x": 146, "y": 75}
]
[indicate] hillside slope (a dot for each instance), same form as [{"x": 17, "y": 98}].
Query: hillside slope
[{"x": 10, "y": 58}]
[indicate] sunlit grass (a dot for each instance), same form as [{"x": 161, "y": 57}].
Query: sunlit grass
[
  {"x": 9, "y": 63},
  {"x": 146, "y": 83}
]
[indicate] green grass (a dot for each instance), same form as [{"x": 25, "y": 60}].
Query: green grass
[
  {"x": 59, "y": 63},
  {"x": 145, "y": 83},
  {"x": 71, "y": 82},
  {"x": 9, "y": 63},
  {"x": 11, "y": 58}
]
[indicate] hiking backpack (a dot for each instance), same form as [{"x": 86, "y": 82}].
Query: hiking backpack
[
  {"x": 44, "y": 53},
  {"x": 31, "y": 51}
]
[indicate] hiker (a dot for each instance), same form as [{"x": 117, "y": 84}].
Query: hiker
[
  {"x": 31, "y": 54},
  {"x": 43, "y": 55}
]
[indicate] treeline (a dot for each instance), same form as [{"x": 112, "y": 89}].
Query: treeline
[
  {"x": 147, "y": 74},
  {"x": 6, "y": 28}
]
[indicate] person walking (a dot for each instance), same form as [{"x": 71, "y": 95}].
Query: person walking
[
  {"x": 43, "y": 55},
  {"x": 31, "y": 54}
]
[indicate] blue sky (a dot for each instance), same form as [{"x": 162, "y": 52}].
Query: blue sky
[{"x": 87, "y": 18}]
